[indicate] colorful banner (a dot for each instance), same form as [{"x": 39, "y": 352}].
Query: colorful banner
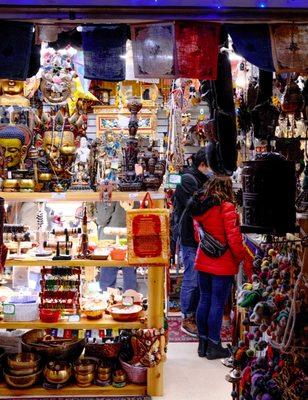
[
  {"x": 253, "y": 42},
  {"x": 154, "y": 50},
  {"x": 197, "y": 45},
  {"x": 104, "y": 49},
  {"x": 290, "y": 47}
]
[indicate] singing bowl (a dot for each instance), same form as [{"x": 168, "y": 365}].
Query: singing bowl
[
  {"x": 21, "y": 382},
  {"x": 23, "y": 361},
  {"x": 26, "y": 184},
  {"x": 45, "y": 177},
  {"x": 84, "y": 366},
  {"x": 103, "y": 376},
  {"x": 67, "y": 351},
  {"x": 58, "y": 372},
  {"x": 93, "y": 314},
  {"x": 10, "y": 183},
  {"x": 84, "y": 379}
]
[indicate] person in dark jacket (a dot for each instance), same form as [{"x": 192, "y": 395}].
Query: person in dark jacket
[
  {"x": 192, "y": 180},
  {"x": 216, "y": 274}
]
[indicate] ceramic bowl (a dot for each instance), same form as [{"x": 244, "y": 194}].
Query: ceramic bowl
[{"x": 58, "y": 372}]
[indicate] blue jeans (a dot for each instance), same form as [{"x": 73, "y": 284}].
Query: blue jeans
[
  {"x": 108, "y": 278},
  {"x": 190, "y": 290},
  {"x": 214, "y": 293}
]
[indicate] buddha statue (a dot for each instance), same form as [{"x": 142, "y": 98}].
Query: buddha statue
[
  {"x": 13, "y": 143},
  {"x": 13, "y": 93}
]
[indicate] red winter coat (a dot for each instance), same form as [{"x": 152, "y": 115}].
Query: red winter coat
[{"x": 222, "y": 222}]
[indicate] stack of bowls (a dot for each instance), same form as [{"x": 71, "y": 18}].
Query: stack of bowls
[
  {"x": 103, "y": 376},
  {"x": 84, "y": 371},
  {"x": 23, "y": 370}
]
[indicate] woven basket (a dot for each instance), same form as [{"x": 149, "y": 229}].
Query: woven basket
[
  {"x": 104, "y": 350},
  {"x": 135, "y": 374}
]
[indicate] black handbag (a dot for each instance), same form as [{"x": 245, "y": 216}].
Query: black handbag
[{"x": 209, "y": 245}]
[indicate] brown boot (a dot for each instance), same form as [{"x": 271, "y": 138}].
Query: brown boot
[{"x": 189, "y": 326}]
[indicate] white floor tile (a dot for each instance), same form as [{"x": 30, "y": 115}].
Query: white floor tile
[{"x": 189, "y": 377}]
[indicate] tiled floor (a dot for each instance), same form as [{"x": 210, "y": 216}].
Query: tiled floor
[{"x": 189, "y": 377}]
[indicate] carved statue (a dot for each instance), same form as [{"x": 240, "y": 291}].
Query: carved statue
[{"x": 13, "y": 93}]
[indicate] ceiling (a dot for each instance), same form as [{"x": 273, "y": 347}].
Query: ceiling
[{"x": 100, "y": 11}]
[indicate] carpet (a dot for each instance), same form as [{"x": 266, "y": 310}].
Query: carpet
[
  {"x": 83, "y": 398},
  {"x": 176, "y": 335}
]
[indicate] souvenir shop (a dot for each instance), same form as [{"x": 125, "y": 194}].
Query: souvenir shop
[{"x": 100, "y": 115}]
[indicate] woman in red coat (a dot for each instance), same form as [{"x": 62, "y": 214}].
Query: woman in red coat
[{"x": 216, "y": 275}]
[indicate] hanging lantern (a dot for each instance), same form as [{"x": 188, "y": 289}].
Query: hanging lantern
[{"x": 269, "y": 187}]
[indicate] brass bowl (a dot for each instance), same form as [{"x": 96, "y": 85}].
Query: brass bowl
[
  {"x": 84, "y": 380},
  {"x": 26, "y": 184},
  {"x": 93, "y": 314},
  {"x": 119, "y": 376},
  {"x": 84, "y": 366},
  {"x": 10, "y": 184},
  {"x": 45, "y": 177},
  {"x": 104, "y": 376},
  {"x": 23, "y": 361},
  {"x": 21, "y": 382},
  {"x": 23, "y": 372},
  {"x": 104, "y": 370},
  {"x": 68, "y": 150},
  {"x": 58, "y": 372}
]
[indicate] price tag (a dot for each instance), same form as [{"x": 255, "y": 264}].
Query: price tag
[
  {"x": 157, "y": 196},
  {"x": 58, "y": 196},
  {"x": 9, "y": 309},
  {"x": 74, "y": 318},
  {"x": 133, "y": 195},
  {"x": 175, "y": 179}
]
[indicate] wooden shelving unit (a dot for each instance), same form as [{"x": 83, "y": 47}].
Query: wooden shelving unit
[
  {"x": 73, "y": 390},
  {"x": 104, "y": 323},
  {"x": 155, "y": 312},
  {"x": 76, "y": 196}
]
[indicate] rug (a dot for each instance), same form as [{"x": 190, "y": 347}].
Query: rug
[
  {"x": 176, "y": 335},
  {"x": 83, "y": 398}
]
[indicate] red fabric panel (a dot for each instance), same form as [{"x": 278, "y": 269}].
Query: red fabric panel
[{"x": 197, "y": 49}]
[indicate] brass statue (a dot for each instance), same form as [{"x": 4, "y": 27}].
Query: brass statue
[{"x": 13, "y": 93}]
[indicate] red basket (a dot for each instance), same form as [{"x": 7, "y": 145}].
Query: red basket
[
  {"x": 135, "y": 374},
  {"x": 47, "y": 315}
]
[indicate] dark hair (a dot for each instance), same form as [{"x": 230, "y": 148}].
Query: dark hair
[
  {"x": 199, "y": 157},
  {"x": 219, "y": 187}
]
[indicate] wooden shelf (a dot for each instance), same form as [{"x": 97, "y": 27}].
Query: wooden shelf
[
  {"x": 47, "y": 262},
  {"x": 76, "y": 196},
  {"x": 104, "y": 323},
  {"x": 73, "y": 390}
]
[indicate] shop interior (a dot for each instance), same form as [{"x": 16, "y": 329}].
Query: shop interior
[{"x": 101, "y": 116}]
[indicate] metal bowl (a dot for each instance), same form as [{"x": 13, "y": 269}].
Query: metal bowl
[
  {"x": 23, "y": 361},
  {"x": 22, "y": 382},
  {"x": 66, "y": 351},
  {"x": 123, "y": 313},
  {"x": 84, "y": 366},
  {"x": 58, "y": 372},
  {"x": 84, "y": 380}
]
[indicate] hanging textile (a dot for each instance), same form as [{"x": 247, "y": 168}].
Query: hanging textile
[
  {"x": 104, "y": 49},
  {"x": 197, "y": 49},
  {"x": 35, "y": 60},
  {"x": 65, "y": 38},
  {"x": 290, "y": 47},
  {"x": 78, "y": 61},
  {"x": 154, "y": 50},
  {"x": 15, "y": 49},
  {"x": 253, "y": 42}
]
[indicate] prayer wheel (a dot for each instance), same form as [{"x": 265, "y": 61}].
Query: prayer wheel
[{"x": 269, "y": 190}]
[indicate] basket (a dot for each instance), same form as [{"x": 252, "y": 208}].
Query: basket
[
  {"x": 135, "y": 374},
  {"x": 20, "y": 312},
  {"x": 49, "y": 316}
]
